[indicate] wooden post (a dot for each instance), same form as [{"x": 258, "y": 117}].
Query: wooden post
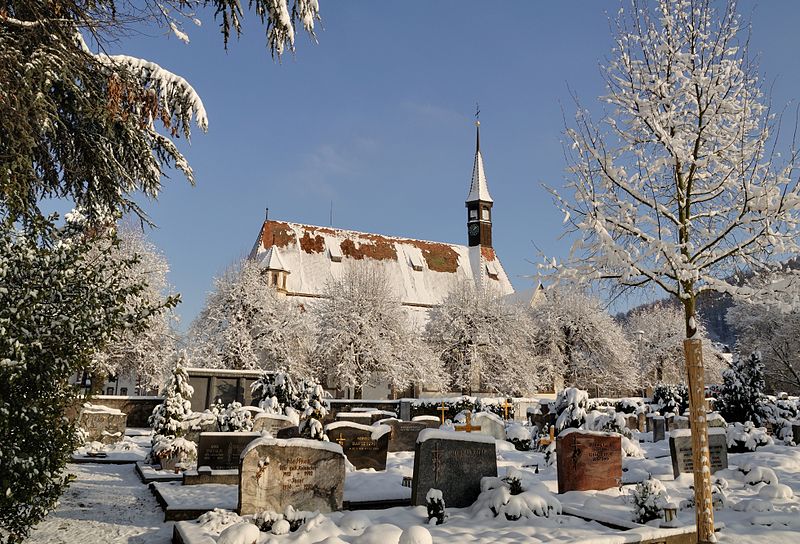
[{"x": 701, "y": 455}]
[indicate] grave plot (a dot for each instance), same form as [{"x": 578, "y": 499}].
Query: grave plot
[
  {"x": 132, "y": 448},
  {"x": 365, "y": 446}
]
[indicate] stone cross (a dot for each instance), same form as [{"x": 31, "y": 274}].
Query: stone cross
[
  {"x": 443, "y": 410},
  {"x": 436, "y": 462},
  {"x": 469, "y": 427},
  {"x": 506, "y": 406}
]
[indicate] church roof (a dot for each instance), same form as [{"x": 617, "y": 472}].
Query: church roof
[
  {"x": 478, "y": 189},
  {"x": 421, "y": 272},
  {"x": 272, "y": 260}
]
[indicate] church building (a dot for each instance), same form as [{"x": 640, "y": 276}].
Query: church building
[{"x": 300, "y": 260}]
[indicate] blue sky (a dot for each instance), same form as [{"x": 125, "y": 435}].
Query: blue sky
[{"x": 377, "y": 118}]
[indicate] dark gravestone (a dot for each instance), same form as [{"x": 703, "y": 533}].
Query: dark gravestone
[
  {"x": 659, "y": 428},
  {"x": 588, "y": 461},
  {"x": 454, "y": 463},
  {"x": 364, "y": 418},
  {"x": 305, "y": 474},
  {"x": 102, "y": 424},
  {"x": 680, "y": 449},
  {"x": 272, "y": 423},
  {"x": 364, "y": 445},
  {"x": 796, "y": 433},
  {"x": 648, "y": 425},
  {"x": 222, "y": 450},
  {"x": 405, "y": 410},
  {"x": 404, "y": 433}
]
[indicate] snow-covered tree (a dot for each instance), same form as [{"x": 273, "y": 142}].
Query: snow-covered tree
[
  {"x": 145, "y": 354},
  {"x": 247, "y": 324},
  {"x": 63, "y": 297},
  {"x": 657, "y": 332},
  {"x": 486, "y": 343},
  {"x": 775, "y": 333},
  {"x": 81, "y": 124},
  {"x": 679, "y": 186},
  {"x": 741, "y": 397},
  {"x": 584, "y": 342},
  {"x": 363, "y": 332},
  {"x": 167, "y": 419}
]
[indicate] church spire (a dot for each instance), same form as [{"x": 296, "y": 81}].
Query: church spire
[{"x": 479, "y": 202}]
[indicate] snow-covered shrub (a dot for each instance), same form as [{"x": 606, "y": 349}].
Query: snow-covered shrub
[
  {"x": 629, "y": 406},
  {"x": 290, "y": 519},
  {"x": 648, "y": 498},
  {"x": 217, "y": 519},
  {"x": 313, "y": 409},
  {"x": 520, "y": 436},
  {"x": 273, "y": 391},
  {"x": 435, "y": 505},
  {"x": 234, "y": 418},
  {"x": 672, "y": 398},
  {"x": 741, "y": 397},
  {"x": 746, "y": 437},
  {"x": 170, "y": 451},
  {"x": 610, "y": 423},
  {"x": 570, "y": 405},
  {"x": 415, "y": 535},
  {"x": 755, "y": 475},
  {"x": 168, "y": 418},
  {"x": 496, "y": 499},
  {"x": 243, "y": 532}
]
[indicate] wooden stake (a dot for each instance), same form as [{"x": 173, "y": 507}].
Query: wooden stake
[{"x": 704, "y": 509}]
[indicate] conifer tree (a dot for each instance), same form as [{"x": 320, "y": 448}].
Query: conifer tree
[
  {"x": 742, "y": 395},
  {"x": 168, "y": 417}
]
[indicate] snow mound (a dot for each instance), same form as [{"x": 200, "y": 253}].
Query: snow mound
[
  {"x": 383, "y": 533},
  {"x": 241, "y": 533},
  {"x": 775, "y": 491},
  {"x": 761, "y": 474},
  {"x": 217, "y": 519},
  {"x": 416, "y": 534},
  {"x": 280, "y": 527},
  {"x": 496, "y": 500},
  {"x": 753, "y": 505},
  {"x": 354, "y": 522}
]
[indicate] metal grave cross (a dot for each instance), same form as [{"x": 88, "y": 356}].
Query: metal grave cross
[
  {"x": 341, "y": 440},
  {"x": 506, "y": 406},
  {"x": 469, "y": 427}
]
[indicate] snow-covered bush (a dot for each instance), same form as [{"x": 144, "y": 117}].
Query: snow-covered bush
[
  {"x": 170, "y": 450},
  {"x": 290, "y": 520},
  {"x": 741, "y": 397},
  {"x": 496, "y": 499},
  {"x": 435, "y": 505},
  {"x": 235, "y": 418},
  {"x": 648, "y": 498},
  {"x": 608, "y": 422},
  {"x": 671, "y": 398},
  {"x": 520, "y": 436},
  {"x": 570, "y": 405},
  {"x": 168, "y": 418},
  {"x": 217, "y": 519},
  {"x": 746, "y": 437}
]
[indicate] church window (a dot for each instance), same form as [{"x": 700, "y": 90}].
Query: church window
[
  {"x": 335, "y": 252},
  {"x": 123, "y": 391},
  {"x": 275, "y": 279},
  {"x": 491, "y": 270}
]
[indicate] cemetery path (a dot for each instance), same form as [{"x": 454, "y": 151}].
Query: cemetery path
[{"x": 108, "y": 504}]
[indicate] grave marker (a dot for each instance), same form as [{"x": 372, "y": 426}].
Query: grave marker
[
  {"x": 404, "y": 433},
  {"x": 490, "y": 424},
  {"x": 680, "y": 449},
  {"x": 364, "y": 445},
  {"x": 222, "y": 450},
  {"x": 102, "y": 424},
  {"x": 588, "y": 461},
  {"x": 454, "y": 463},
  {"x": 273, "y": 424},
  {"x": 306, "y": 474},
  {"x": 659, "y": 428}
]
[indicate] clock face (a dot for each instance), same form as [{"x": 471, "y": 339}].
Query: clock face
[{"x": 474, "y": 228}]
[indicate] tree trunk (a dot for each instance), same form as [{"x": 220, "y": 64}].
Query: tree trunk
[{"x": 701, "y": 455}]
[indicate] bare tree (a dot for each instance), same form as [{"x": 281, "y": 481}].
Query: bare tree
[
  {"x": 364, "y": 333},
  {"x": 679, "y": 186}
]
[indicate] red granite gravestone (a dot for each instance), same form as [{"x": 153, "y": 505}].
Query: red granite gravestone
[{"x": 588, "y": 461}]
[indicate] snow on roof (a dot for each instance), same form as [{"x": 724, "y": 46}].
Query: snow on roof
[
  {"x": 478, "y": 189},
  {"x": 306, "y": 252},
  {"x": 272, "y": 260}
]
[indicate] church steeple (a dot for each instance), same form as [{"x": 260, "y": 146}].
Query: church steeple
[{"x": 479, "y": 202}]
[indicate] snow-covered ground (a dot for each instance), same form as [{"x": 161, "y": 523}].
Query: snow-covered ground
[{"x": 108, "y": 503}]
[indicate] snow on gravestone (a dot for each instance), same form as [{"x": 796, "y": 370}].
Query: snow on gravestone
[
  {"x": 680, "y": 449},
  {"x": 305, "y": 474},
  {"x": 588, "y": 460},
  {"x": 490, "y": 424},
  {"x": 278, "y": 425},
  {"x": 222, "y": 450},
  {"x": 364, "y": 445},
  {"x": 102, "y": 423},
  {"x": 404, "y": 433},
  {"x": 454, "y": 463}
]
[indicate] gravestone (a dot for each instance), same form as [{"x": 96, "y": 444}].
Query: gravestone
[
  {"x": 490, "y": 424},
  {"x": 632, "y": 422},
  {"x": 641, "y": 421},
  {"x": 102, "y": 424},
  {"x": 375, "y": 414},
  {"x": 405, "y": 410},
  {"x": 404, "y": 433},
  {"x": 648, "y": 425},
  {"x": 273, "y": 424},
  {"x": 222, "y": 450},
  {"x": 364, "y": 445},
  {"x": 426, "y": 419},
  {"x": 796, "y": 433},
  {"x": 588, "y": 461},
  {"x": 364, "y": 418},
  {"x": 680, "y": 422},
  {"x": 680, "y": 449},
  {"x": 305, "y": 474},
  {"x": 659, "y": 428},
  {"x": 454, "y": 463}
]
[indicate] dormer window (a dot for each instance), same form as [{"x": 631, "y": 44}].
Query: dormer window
[
  {"x": 335, "y": 251},
  {"x": 491, "y": 270},
  {"x": 416, "y": 261}
]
